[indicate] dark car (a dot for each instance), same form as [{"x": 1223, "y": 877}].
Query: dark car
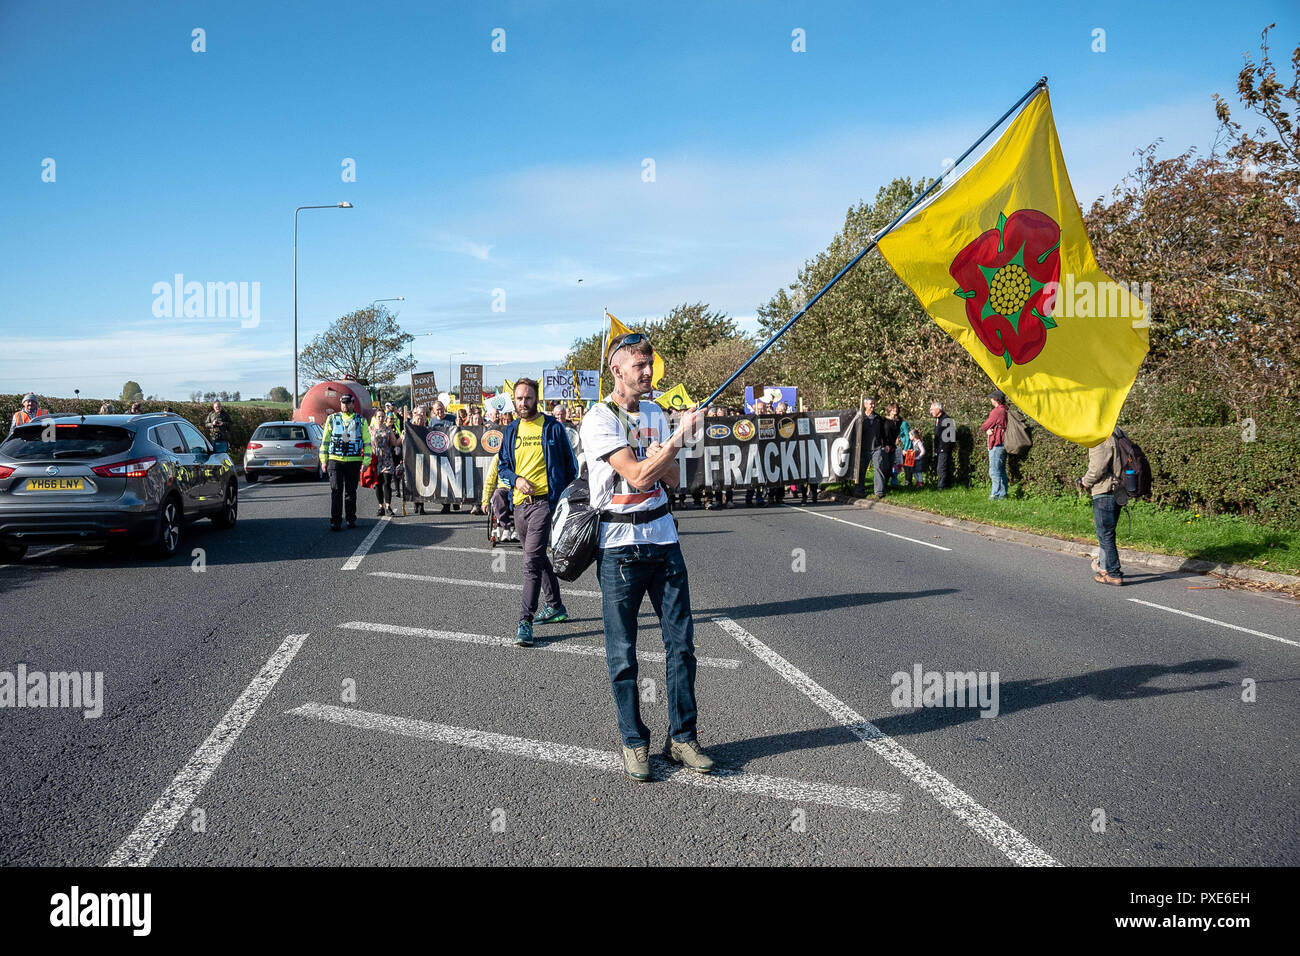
[{"x": 118, "y": 479}]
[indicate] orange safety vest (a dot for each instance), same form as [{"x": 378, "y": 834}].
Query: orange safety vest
[{"x": 22, "y": 418}]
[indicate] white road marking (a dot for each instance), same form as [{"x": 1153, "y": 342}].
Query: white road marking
[
  {"x": 148, "y": 838},
  {"x": 447, "y": 547},
  {"x": 592, "y": 650},
  {"x": 39, "y": 554},
  {"x": 982, "y": 821},
  {"x": 901, "y": 537},
  {"x": 1210, "y": 620},
  {"x": 751, "y": 784},
  {"x": 354, "y": 562},
  {"x": 499, "y": 585}
]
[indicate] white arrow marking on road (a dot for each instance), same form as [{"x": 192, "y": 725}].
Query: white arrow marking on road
[
  {"x": 499, "y": 585},
  {"x": 902, "y": 537},
  {"x": 1210, "y": 620},
  {"x": 148, "y": 838},
  {"x": 984, "y": 822},
  {"x": 354, "y": 562},
  {"x": 736, "y": 781},
  {"x": 541, "y": 645}
]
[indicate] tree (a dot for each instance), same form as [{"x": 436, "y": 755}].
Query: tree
[
  {"x": 687, "y": 329},
  {"x": 367, "y": 344},
  {"x": 132, "y": 392},
  {"x": 279, "y": 394},
  {"x": 196, "y": 396},
  {"x": 1217, "y": 241}
]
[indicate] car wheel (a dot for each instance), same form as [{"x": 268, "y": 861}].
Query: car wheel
[
  {"x": 229, "y": 513},
  {"x": 12, "y": 553},
  {"x": 251, "y": 477},
  {"x": 169, "y": 529}
]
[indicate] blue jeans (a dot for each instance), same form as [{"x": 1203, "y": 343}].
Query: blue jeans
[
  {"x": 626, "y": 575},
  {"x": 998, "y": 471},
  {"x": 1105, "y": 516}
]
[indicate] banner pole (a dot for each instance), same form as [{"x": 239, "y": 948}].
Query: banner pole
[{"x": 1040, "y": 85}]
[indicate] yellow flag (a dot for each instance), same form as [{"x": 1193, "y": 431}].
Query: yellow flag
[
  {"x": 1001, "y": 260},
  {"x": 675, "y": 399},
  {"x": 618, "y": 328}
]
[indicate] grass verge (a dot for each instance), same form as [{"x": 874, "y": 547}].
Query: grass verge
[{"x": 1223, "y": 538}]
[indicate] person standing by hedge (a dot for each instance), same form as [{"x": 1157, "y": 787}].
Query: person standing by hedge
[
  {"x": 1105, "y": 480},
  {"x": 218, "y": 422},
  {"x": 995, "y": 426},
  {"x": 945, "y": 441}
]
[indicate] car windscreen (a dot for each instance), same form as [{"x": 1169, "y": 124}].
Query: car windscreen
[
  {"x": 72, "y": 441},
  {"x": 280, "y": 433}
]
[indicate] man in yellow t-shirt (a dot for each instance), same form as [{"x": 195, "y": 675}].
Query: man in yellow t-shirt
[{"x": 536, "y": 460}]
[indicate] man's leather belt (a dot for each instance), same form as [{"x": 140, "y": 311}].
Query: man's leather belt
[{"x": 634, "y": 517}]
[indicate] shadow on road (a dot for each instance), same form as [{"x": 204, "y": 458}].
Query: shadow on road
[
  {"x": 1113, "y": 683},
  {"x": 828, "y": 602}
]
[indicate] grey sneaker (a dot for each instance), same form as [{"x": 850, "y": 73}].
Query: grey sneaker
[
  {"x": 689, "y": 755},
  {"x": 636, "y": 763}
]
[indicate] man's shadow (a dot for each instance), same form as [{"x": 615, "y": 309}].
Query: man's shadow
[{"x": 1115, "y": 683}]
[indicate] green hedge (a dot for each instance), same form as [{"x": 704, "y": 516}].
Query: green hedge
[
  {"x": 243, "y": 418},
  {"x": 1207, "y": 470}
]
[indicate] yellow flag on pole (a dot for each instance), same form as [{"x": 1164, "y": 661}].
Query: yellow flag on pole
[
  {"x": 618, "y": 328},
  {"x": 675, "y": 399},
  {"x": 1001, "y": 261}
]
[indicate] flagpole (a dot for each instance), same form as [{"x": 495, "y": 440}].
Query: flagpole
[
  {"x": 1040, "y": 85},
  {"x": 604, "y": 344}
]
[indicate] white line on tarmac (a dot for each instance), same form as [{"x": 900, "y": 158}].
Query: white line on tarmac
[
  {"x": 1210, "y": 620},
  {"x": 902, "y": 537},
  {"x": 354, "y": 562},
  {"x": 447, "y": 547},
  {"x": 148, "y": 838},
  {"x": 592, "y": 650},
  {"x": 752, "y": 784},
  {"x": 982, "y": 821},
  {"x": 40, "y": 554},
  {"x": 499, "y": 585}
]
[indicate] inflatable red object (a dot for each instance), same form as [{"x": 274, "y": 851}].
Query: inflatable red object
[{"x": 322, "y": 400}]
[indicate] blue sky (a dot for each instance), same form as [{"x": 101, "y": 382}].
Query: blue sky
[{"x": 519, "y": 171}]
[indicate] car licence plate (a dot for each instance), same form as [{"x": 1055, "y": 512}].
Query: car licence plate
[
  {"x": 56, "y": 484},
  {"x": 281, "y": 464}
]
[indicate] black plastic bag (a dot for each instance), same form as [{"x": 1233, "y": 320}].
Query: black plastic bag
[{"x": 575, "y": 531}]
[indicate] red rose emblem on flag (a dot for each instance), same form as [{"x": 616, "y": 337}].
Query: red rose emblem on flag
[{"x": 1008, "y": 277}]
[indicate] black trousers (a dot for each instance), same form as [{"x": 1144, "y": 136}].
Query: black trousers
[
  {"x": 344, "y": 476},
  {"x": 942, "y": 468}
]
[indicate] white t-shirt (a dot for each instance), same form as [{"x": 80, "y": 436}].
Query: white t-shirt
[{"x": 602, "y": 434}]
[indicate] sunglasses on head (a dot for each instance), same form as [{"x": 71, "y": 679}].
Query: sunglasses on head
[{"x": 635, "y": 338}]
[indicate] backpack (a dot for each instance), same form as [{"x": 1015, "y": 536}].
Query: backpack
[
  {"x": 1134, "y": 469},
  {"x": 1016, "y": 437}
]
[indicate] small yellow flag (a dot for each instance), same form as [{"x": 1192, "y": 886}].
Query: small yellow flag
[
  {"x": 675, "y": 399},
  {"x": 1002, "y": 262},
  {"x": 618, "y": 328}
]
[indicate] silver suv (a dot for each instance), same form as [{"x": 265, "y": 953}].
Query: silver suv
[{"x": 119, "y": 479}]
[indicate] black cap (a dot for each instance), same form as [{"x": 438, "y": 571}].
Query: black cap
[{"x": 998, "y": 396}]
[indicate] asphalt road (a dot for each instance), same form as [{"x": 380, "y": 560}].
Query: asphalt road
[{"x": 274, "y": 700}]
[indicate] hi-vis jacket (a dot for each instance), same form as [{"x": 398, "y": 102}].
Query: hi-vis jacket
[{"x": 347, "y": 438}]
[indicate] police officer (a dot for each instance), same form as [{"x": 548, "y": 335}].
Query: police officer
[{"x": 344, "y": 451}]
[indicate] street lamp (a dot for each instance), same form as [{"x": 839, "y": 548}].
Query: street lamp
[
  {"x": 400, "y": 298},
  {"x": 337, "y": 205},
  {"x": 449, "y": 358}
]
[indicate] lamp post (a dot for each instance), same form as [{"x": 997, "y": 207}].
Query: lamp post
[
  {"x": 449, "y": 358},
  {"x": 337, "y": 205},
  {"x": 400, "y": 298}
]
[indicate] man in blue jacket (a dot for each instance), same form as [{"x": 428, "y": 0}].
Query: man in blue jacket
[{"x": 536, "y": 460}]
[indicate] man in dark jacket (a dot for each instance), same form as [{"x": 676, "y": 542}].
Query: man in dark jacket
[
  {"x": 945, "y": 442},
  {"x": 218, "y": 422},
  {"x": 876, "y": 447},
  {"x": 537, "y": 460}
]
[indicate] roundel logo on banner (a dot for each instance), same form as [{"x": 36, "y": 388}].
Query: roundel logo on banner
[
  {"x": 492, "y": 441},
  {"x": 785, "y": 428},
  {"x": 466, "y": 442},
  {"x": 743, "y": 429},
  {"x": 438, "y": 441},
  {"x": 719, "y": 431}
]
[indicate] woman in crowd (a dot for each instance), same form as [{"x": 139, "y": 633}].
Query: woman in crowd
[{"x": 383, "y": 439}]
